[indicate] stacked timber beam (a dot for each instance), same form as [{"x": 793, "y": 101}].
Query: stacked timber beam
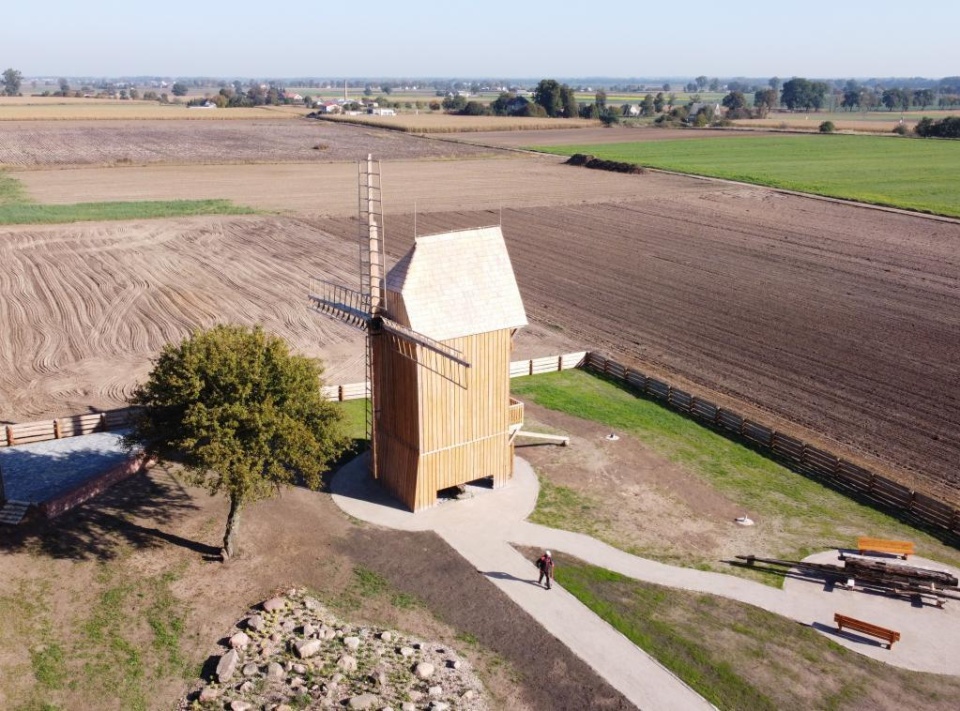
[{"x": 888, "y": 577}]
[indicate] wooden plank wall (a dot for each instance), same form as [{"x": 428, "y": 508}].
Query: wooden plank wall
[
  {"x": 72, "y": 426},
  {"x": 796, "y": 454},
  {"x": 422, "y": 446}
]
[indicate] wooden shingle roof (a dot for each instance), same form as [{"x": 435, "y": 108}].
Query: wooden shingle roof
[{"x": 456, "y": 284}]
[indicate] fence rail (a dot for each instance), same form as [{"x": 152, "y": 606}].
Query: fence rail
[
  {"x": 795, "y": 453},
  {"x": 518, "y": 369},
  {"x": 73, "y": 426},
  {"x": 816, "y": 463}
]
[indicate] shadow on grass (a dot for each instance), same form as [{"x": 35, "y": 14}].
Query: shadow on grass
[{"x": 137, "y": 512}]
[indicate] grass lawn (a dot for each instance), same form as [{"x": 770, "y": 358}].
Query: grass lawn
[
  {"x": 914, "y": 174},
  {"x": 800, "y": 515},
  {"x": 740, "y": 657},
  {"x": 16, "y": 209}
]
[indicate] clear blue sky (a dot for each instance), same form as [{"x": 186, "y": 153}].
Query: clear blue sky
[{"x": 490, "y": 39}]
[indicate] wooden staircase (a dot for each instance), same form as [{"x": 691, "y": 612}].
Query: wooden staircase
[{"x": 13, "y": 512}]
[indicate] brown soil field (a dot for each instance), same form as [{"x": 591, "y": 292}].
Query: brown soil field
[
  {"x": 60, "y": 109},
  {"x": 46, "y": 144},
  {"x": 447, "y": 123},
  {"x": 85, "y": 307},
  {"x": 832, "y": 321},
  {"x": 591, "y": 136},
  {"x": 331, "y": 188}
]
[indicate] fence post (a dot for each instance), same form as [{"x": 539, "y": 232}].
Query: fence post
[
  {"x": 10, "y": 439},
  {"x": 103, "y": 422},
  {"x": 57, "y": 434}
]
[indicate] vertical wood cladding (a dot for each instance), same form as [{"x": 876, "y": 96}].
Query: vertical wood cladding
[{"x": 432, "y": 432}]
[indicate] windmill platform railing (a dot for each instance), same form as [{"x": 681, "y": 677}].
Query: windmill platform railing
[{"x": 341, "y": 301}]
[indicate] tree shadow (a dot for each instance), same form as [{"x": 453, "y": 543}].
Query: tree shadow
[{"x": 137, "y": 512}]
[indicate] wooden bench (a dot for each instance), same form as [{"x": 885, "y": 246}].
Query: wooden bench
[
  {"x": 881, "y": 545},
  {"x": 883, "y": 633}
]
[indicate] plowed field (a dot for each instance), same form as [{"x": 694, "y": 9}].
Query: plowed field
[
  {"x": 837, "y": 323},
  {"x": 33, "y": 144},
  {"x": 86, "y": 307}
]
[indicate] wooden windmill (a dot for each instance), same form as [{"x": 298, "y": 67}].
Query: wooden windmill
[{"x": 439, "y": 328}]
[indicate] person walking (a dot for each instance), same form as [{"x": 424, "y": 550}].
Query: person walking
[{"x": 545, "y": 566}]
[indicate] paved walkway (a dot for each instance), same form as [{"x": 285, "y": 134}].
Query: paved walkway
[{"x": 482, "y": 528}]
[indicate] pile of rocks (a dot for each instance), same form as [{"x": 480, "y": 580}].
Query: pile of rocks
[{"x": 292, "y": 653}]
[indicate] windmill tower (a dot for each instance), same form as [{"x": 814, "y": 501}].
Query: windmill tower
[{"x": 439, "y": 327}]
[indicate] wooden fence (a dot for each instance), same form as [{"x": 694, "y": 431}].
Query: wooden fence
[
  {"x": 796, "y": 454},
  {"x": 43, "y": 430},
  {"x": 518, "y": 368}
]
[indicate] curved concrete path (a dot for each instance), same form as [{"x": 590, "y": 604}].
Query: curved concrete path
[{"x": 482, "y": 529}]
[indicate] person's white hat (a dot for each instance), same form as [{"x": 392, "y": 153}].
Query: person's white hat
[{"x": 548, "y": 552}]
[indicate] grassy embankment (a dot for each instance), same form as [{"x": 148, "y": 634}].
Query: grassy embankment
[
  {"x": 17, "y": 209},
  {"x": 740, "y": 657},
  {"x": 802, "y": 516},
  {"x": 921, "y": 175}
]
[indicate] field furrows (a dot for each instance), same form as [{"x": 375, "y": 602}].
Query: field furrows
[
  {"x": 842, "y": 321},
  {"x": 85, "y": 308},
  {"x": 32, "y": 144}
]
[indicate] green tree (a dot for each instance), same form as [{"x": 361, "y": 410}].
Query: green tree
[
  {"x": 896, "y": 99},
  {"x": 600, "y": 99},
  {"x": 799, "y": 93},
  {"x": 12, "y": 79},
  {"x": 568, "y": 100},
  {"x": 179, "y": 89},
  {"x": 735, "y": 100},
  {"x": 923, "y": 98},
  {"x": 547, "y": 95},
  {"x": 648, "y": 107},
  {"x": 658, "y": 102},
  {"x": 765, "y": 100},
  {"x": 851, "y": 95},
  {"x": 714, "y": 84},
  {"x": 64, "y": 86},
  {"x": 701, "y": 82},
  {"x": 241, "y": 413}
]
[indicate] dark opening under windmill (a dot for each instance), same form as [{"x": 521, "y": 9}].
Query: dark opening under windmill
[{"x": 439, "y": 335}]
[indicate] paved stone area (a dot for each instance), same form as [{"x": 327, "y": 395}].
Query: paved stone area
[
  {"x": 482, "y": 528},
  {"x": 42, "y": 471}
]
